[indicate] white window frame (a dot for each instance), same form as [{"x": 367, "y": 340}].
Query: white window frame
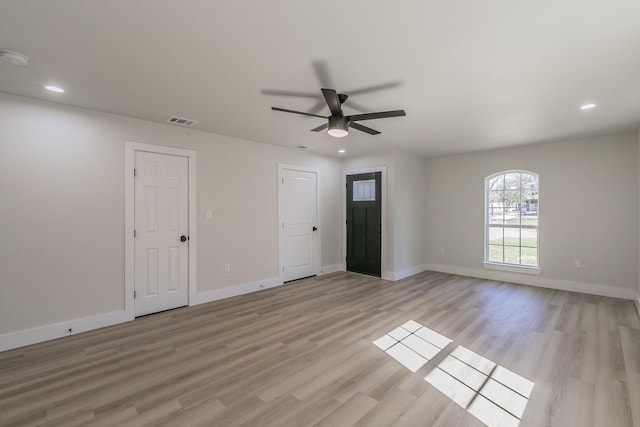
[{"x": 514, "y": 268}]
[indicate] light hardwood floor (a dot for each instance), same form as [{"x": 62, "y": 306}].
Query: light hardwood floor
[{"x": 302, "y": 354}]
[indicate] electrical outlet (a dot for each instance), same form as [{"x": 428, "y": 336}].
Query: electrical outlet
[{"x": 227, "y": 268}]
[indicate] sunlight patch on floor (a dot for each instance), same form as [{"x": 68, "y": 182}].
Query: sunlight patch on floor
[
  {"x": 412, "y": 344},
  {"x": 490, "y": 392}
]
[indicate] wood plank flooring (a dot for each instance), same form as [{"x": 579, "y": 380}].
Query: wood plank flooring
[{"x": 302, "y": 354}]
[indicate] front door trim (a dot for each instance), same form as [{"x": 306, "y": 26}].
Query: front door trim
[
  {"x": 130, "y": 148},
  {"x": 384, "y": 272}
]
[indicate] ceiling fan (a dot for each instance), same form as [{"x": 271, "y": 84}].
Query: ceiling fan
[
  {"x": 323, "y": 74},
  {"x": 339, "y": 124}
]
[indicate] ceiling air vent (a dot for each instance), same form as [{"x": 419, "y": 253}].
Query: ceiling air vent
[{"x": 181, "y": 121}]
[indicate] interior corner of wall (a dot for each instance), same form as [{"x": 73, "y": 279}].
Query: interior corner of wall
[
  {"x": 328, "y": 269},
  {"x": 408, "y": 272}
]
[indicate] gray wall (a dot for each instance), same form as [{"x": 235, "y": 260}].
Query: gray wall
[
  {"x": 62, "y": 209},
  {"x": 588, "y": 208},
  {"x": 406, "y": 209},
  {"x": 410, "y": 211}
]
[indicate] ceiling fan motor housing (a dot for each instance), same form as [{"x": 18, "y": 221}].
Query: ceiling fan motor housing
[{"x": 339, "y": 122}]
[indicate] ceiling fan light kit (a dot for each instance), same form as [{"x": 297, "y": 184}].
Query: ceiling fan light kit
[
  {"x": 337, "y": 123},
  {"x": 338, "y": 127}
]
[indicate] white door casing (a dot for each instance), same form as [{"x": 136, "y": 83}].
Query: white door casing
[
  {"x": 298, "y": 222},
  {"x": 160, "y": 269}
]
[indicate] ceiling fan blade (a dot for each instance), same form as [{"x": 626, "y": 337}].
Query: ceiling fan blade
[
  {"x": 364, "y": 128},
  {"x": 373, "y": 88},
  {"x": 297, "y": 112},
  {"x": 331, "y": 96},
  {"x": 318, "y": 106},
  {"x": 321, "y": 127},
  {"x": 322, "y": 72},
  {"x": 356, "y": 106},
  {"x": 290, "y": 93},
  {"x": 380, "y": 115}
]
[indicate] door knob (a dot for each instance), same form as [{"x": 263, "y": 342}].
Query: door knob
[
  {"x": 183, "y": 238},
  {"x": 315, "y": 228}
]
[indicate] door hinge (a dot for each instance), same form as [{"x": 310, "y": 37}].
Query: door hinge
[
  {"x": 134, "y": 172},
  {"x": 134, "y": 234},
  {"x": 135, "y": 294},
  {"x": 283, "y": 180}
]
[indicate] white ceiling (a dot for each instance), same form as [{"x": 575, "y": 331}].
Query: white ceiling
[{"x": 473, "y": 74}]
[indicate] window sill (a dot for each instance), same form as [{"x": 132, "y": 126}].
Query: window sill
[{"x": 511, "y": 268}]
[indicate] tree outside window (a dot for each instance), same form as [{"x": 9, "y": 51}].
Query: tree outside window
[{"x": 511, "y": 219}]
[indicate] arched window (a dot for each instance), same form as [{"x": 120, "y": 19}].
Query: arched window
[{"x": 511, "y": 219}]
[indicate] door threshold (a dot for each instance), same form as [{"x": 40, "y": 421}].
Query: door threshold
[
  {"x": 379, "y": 276},
  {"x": 301, "y": 278},
  {"x": 158, "y": 312}
]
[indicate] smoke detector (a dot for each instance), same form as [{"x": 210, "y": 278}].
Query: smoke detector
[{"x": 15, "y": 58}]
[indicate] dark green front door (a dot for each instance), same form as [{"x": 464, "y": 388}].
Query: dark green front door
[{"x": 364, "y": 215}]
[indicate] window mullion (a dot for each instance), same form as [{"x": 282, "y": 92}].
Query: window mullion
[{"x": 506, "y": 199}]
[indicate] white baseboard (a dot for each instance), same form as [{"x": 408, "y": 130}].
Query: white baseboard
[
  {"x": 26, "y": 337},
  {"x": 232, "y": 291},
  {"x": 406, "y": 272},
  {"x": 526, "y": 279},
  {"x": 328, "y": 269},
  {"x": 392, "y": 276},
  {"x": 58, "y": 330}
]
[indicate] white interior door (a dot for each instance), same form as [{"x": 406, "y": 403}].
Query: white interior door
[
  {"x": 299, "y": 237},
  {"x": 161, "y": 223}
]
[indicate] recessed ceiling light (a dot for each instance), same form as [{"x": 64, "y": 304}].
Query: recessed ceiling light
[
  {"x": 342, "y": 151},
  {"x": 15, "y": 58},
  {"x": 588, "y": 106},
  {"x": 56, "y": 89}
]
